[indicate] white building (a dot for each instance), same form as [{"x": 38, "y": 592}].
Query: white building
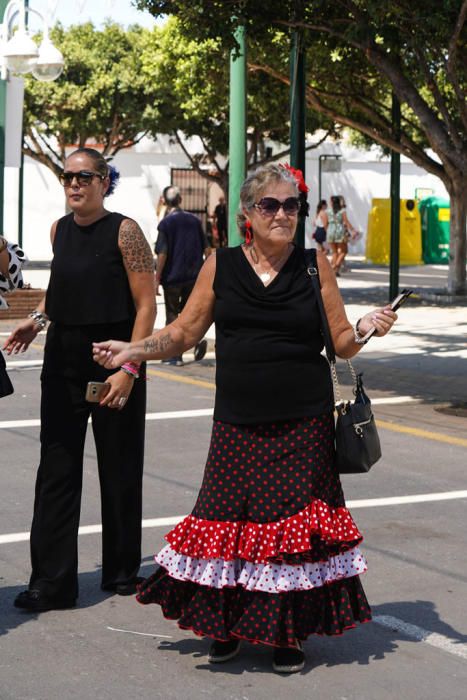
[{"x": 146, "y": 169}]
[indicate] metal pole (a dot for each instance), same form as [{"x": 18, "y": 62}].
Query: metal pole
[
  {"x": 395, "y": 202},
  {"x": 237, "y": 132},
  {"x": 298, "y": 117},
  {"x": 3, "y": 4},
  {"x": 21, "y": 167},
  {"x": 320, "y": 158}
]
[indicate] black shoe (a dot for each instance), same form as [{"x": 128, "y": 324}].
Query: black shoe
[
  {"x": 128, "y": 588},
  {"x": 124, "y": 588},
  {"x": 223, "y": 651},
  {"x": 288, "y": 659},
  {"x": 200, "y": 349},
  {"x": 33, "y": 601}
]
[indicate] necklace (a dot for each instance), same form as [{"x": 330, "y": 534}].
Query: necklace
[{"x": 265, "y": 275}]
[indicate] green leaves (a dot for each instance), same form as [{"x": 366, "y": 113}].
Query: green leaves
[{"x": 101, "y": 96}]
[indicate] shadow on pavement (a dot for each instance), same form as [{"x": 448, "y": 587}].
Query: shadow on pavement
[
  {"x": 90, "y": 594},
  {"x": 423, "y": 614},
  {"x": 364, "y": 645}
]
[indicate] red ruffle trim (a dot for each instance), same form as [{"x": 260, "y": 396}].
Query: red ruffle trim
[{"x": 262, "y": 542}]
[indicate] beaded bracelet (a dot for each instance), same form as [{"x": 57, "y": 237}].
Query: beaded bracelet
[{"x": 131, "y": 368}]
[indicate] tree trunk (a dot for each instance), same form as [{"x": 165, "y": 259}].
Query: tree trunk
[{"x": 458, "y": 238}]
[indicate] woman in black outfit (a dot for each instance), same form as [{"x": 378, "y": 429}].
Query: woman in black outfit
[
  {"x": 101, "y": 282},
  {"x": 270, "y": 553}
]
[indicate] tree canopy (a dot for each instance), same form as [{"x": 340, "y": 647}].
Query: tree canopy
[
  {"x": 120, "y": 85},
  {"x": 101, "y": 96},
  {"x": 359, "y": 52},
  {"x": 192, "y": 76}
]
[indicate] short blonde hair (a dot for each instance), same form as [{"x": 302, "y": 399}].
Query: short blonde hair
[{"x": 256, "y": 183}]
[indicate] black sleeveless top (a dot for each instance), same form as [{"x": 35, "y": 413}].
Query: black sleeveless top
[
  {"x": 88, "y": 282},
  {"x": 268, "y": 343}
]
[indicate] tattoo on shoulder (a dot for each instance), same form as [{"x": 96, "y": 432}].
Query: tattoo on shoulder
[
  {"x": 135, "y": 248},
  {"x": 157, "y": 344}
]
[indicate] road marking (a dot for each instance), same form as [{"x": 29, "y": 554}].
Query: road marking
[
  {"x": 142, "y": 634},
  {"x": 179, "y": 378},
  {"x": 382, "y": 400},
  {"x": 421, "y": 635},
  {"x": 419, "y": 432},
  {"x": 201, "y": 412},
  {"x": 173, "y": 520},
  {"x": 366, "y": 271},
  {"x": 24, "y": 363},
  {"x": 406, "y": 500},
  {"x": 163, "y": 415},
  {"x": 194, "y": 413}
]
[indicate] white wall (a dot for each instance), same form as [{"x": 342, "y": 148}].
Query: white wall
[
  {"x": 145, "y": 171},
  {"x": 363, "y": 177}
]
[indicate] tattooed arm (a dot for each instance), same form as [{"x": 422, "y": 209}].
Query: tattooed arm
[
  {"x": 175, "y": 338},
  {"x": 139, "y": 266}
]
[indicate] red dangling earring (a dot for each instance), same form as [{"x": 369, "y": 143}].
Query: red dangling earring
[{"x": 248, "y": 232}]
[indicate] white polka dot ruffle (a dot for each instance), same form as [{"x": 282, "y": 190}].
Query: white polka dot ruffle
[{"x": 271, "y": 578}]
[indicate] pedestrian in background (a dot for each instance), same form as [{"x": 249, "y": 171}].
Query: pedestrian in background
[
  {"x": 350, "y": 234},
  {"x": 101, "y": 281},
  {"x": 338, "y": 225},
  {"x": 161, "y": 207},
  {"x": 321, "y": 225},
  {"x": 12, "y": 259},
  {"x": 270, "y": 554},
  {"x": 220, "y": 221},
  {"x": 181, "y": 247}
]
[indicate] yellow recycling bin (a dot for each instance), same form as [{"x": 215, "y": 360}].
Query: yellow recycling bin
[{"x": 378, "y": 238}]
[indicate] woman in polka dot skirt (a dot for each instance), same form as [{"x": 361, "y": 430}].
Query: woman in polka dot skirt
[{"x": 269, "y": 554}]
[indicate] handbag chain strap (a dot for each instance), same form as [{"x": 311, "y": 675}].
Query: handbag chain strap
[{"x": 312, "y": 271}]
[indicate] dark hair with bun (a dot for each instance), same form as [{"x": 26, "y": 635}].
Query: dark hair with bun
[{"x": 101, "y": 166}]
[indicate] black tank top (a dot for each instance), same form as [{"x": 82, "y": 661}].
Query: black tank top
[
  {"x": 268, "y": 343},
  {"x": 88, "y": 282}
]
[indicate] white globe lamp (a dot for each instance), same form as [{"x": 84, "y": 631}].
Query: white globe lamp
[
  {"x": 49, "y": 64},
  {"x": 20, "y": 53}
]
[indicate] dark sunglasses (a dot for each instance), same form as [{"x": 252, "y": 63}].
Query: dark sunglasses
[
  {"x": 269, "y": 206},
  {"x": 83, "y": 177}
]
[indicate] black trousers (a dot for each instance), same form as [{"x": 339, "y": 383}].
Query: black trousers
[
  {"x": 175, "y": 299},
  {"x": 119, "y": 439}
]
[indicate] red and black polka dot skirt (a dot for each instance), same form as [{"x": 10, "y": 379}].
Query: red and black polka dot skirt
[{"x": 269, "y": 553}]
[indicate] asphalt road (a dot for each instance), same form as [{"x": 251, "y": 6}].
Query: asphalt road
[{"x": 112, "y": 648}]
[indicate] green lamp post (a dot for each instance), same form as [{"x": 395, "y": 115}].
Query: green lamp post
[{"x": 237, "y": 132}]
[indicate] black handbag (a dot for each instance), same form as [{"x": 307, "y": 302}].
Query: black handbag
[
  {"x": 356, "y": 437},
  {"x": 6, "y": 387}
]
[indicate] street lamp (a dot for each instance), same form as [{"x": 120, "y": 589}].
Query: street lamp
[
  {"x": 20, "y": 52},
  {"x": 328, "y": 163}
]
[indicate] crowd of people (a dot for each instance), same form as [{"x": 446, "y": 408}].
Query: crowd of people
[{"x": 270, "y": 553}]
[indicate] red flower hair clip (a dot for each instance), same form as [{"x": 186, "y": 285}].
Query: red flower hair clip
[{"x": 298, "y": 175}]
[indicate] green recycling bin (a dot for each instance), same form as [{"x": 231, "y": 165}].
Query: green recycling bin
[{"x": 434, "y": 215}]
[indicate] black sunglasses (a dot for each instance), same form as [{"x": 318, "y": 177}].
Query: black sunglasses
[
  {"x": 269, "y": 206},
  {"x": 83, "y": 177}
]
